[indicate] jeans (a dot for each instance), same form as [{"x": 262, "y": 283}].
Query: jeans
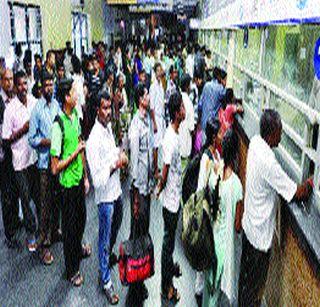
[
  {"x": 167, "y": 264},
  {"x": 110, "y": 218},
  {"x": 73, "y": 224},
  {"x": 27, "y": 182}
]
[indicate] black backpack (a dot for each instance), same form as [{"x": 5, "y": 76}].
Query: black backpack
[{"x": 190, "y": 179}]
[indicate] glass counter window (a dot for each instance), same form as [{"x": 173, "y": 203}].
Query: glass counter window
[
  {"x": 248, "y": 56},
  {"x": 288, "y": 61}
]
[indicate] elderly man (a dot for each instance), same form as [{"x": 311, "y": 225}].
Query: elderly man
[{"x": 265, "y": 179}]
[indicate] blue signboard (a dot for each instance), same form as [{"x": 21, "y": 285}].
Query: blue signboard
[
  {"x": 148, "y": 2},
  {"x": 316, "y": 59}
]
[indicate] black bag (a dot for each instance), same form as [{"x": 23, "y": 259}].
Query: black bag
[{"x": 190, "y": 179}]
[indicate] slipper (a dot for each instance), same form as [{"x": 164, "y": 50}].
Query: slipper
[
  {"x": 172, "y": 295},
  {"x": 86, "y": 251},
  {"x": 46, "y": 257},
  {"x": 77, "y": 280},
  {"x": 112, "y": 297}
]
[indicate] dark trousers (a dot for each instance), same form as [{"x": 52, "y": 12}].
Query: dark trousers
[
  {"x": 140, "y": 223},
  {"x": 253, "y": 274},
  {"x": 73, "y": 224},
  {"x": 27, "y": 182},
  {"x": 9, "y": 199},
  {"x": 167, "y": 265},
  {"x": 50, "y": 200}
]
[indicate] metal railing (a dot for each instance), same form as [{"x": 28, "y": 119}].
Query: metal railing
[{"x": 304, "y": 142}]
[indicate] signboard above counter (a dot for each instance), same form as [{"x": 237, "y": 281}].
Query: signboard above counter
[
  {"x": 147, "y": 6},
  {"x": 240, "y": 13}
]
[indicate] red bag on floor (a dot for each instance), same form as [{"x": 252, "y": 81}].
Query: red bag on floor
[{"x": 136, "y": 260}]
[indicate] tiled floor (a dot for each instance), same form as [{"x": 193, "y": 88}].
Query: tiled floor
[{"x": 25, "y": 282}]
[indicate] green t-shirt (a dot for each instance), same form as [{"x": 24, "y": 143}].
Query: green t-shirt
[{"x": 72, "y": 175}]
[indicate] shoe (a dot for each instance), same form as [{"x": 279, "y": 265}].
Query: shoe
[
  {"x": 113, "y": 260},
  {"x": 32, "y": 245},
  {"x": 112, "y": 296}
]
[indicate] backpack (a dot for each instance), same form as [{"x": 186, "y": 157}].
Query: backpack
[
  {"x": 197, "y": 234},
  {"x": 190, "y": 179}
]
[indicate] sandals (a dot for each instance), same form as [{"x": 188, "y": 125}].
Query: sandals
[
  {"x": 112, "y": 297},
  {"x": 77, "y": 280},
  {"x": 172, "y": 295},
  {"x": 46, "y": 256},
  {"x": 86, "y": 251},
  {"x": 177, "y": 270}
]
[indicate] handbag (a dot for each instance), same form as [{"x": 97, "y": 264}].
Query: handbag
[{"x": 136, "y": 260}]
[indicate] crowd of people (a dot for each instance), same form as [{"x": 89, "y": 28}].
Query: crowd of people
[{"x": 70, "y": 124}]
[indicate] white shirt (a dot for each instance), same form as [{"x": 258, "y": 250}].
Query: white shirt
[
  {"x": 186, "y": 127},
  {"x": 118, "y": 60},
  {"x": 157, "y": 99},
  {"x": 157, "y": 105},
  {"x": 190, "y": 64},
  {"x": 15, "y": 116},
  {"x": 102, "y": 154},
  {"x": 171, "y": 156},
  {"x": 67, "y": 63},
  {"x": 79, "y": 88},
  {"x": 264, "y": 180}
]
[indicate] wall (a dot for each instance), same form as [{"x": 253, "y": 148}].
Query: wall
[
  {"x": 56, "y": 23},
  {"x": 95, "y": 10}
]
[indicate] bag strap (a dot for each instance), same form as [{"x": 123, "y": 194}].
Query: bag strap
[{"x": 59, "y": 120}]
